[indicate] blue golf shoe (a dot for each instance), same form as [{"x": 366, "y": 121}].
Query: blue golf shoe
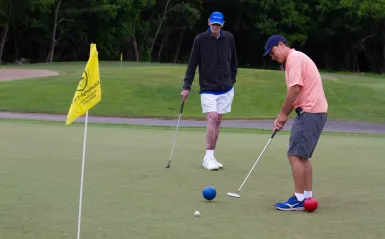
[{"x": 292, "y": 204}]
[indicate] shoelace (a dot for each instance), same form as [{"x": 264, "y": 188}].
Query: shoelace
[{"x": 293, "y": 199}]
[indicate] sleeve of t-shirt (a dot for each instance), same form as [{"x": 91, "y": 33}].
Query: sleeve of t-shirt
[{"x": 294, "y": 72}]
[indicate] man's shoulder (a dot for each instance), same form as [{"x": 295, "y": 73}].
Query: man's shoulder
[
  {"x": 202, "y": 35},
  {"x": 296, "y": 56},
  {"x": 296, "y": 53},
  {"x": 227, "y": 34}
]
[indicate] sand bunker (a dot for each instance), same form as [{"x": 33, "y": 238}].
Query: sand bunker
[{"x": 18, "y": 74}]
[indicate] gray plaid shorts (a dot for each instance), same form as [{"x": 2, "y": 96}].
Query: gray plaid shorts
[{"x": 305, "y": 133}]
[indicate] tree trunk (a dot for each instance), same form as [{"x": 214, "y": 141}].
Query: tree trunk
[
  {"x": 135, "y": 46},
  {"x": 355, "y": 67},
  {"x": 53, "y": 40},
  {"x": 326, "y": 59},
  {"x": 162, "y": 44},
  {"x": 16, "y": 45},
  {"x": 383, "y": 48},
  {"x": 5, "y": 32},
  {"x": 179, "y": 45},
  {"x": 347, "y": 60},
  {"x": 16, "y": 49},
  {"x": 368, "y": 48},
  {"x": 159, "y": 26},
  {"x": 383, "y": 57},
  {"x": 374, "y": 65}
]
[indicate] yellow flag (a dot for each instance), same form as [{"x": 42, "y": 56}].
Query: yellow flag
[
  {"x": 88, "y": 92},
  {"x": 121, "y": 56}
]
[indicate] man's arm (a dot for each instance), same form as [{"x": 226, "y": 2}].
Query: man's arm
[
  {"x": 287, "y": 106},
  {"x": 291, "y": 95},
  {"x": 234, "y": 63},
  {"x": 294, "y": 82},
  {"x": 192, "y": 65}
]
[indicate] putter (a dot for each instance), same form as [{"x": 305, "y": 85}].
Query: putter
[
  {"x": 236, "y": 195},
  {"x": 177, "y": 126}
]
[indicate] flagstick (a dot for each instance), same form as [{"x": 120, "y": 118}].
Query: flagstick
[{"x": 82, "y": 174}]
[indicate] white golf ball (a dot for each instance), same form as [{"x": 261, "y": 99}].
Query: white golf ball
[{"x": 197, "y": 213}]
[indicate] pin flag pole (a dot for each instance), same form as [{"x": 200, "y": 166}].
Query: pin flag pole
[
  {"x": 83, "y": 100},
  {"x": 82, "y": 175}
]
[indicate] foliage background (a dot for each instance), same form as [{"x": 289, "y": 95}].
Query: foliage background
[{"x": 343, "y": 35}]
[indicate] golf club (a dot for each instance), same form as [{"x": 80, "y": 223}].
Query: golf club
[
  {"x": 177, "y": 126},
  {"x": 236, "y": 195}
]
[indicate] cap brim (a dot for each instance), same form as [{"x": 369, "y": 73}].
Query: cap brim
[
  {"x": 268, "y": 50},
  {"x": 216, "y": 22}
]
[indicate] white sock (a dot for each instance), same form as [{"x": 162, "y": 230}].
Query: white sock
[
  {"x": 308, "y": 194},
  {"x": 300, "y": 196},
  {"x": 210, "y": 153}
]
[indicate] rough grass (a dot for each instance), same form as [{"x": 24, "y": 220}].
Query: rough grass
[{"x": 153, "y": 90}]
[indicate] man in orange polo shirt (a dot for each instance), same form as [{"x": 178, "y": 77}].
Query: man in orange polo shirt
[{"x": 305, "y": 94}]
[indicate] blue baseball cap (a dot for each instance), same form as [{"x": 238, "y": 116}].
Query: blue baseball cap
[
  {"x": 217, "y": 17},
  {"x": 272, "y": 42}
]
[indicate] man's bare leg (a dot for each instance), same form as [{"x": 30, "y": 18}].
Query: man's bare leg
[
  {"x": 209, "y": 161},
  {"x": 217, "y": 129},
  {"x": 212, "y": 119},
  {"x": 308, "y": 178},
  {"x": 298, "y": 171}
]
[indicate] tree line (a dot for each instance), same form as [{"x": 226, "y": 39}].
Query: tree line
[{"x": 344, "y": 35}]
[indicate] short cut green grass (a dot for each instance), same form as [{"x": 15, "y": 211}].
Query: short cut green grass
[{"x": 129, "y": 194}]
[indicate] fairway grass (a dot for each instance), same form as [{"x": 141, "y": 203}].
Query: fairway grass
[
  {"x": 153, "y": 90},
  {"x": 129, "y": 194}
]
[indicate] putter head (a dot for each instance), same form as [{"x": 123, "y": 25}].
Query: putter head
[
  {"x": 234, "y": 195},
  {"x": 167, "y": 166}
]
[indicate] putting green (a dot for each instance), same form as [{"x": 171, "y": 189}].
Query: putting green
[{"x": 129, "y": 194}]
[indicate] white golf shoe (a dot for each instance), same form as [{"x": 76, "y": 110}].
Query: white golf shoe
[
  {"x": 218, "y": 163},
  {"x": 210, "y": 163}
]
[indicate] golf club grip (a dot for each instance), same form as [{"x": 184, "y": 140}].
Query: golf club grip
[
  {"x": 275, "y": 131},
  {"x": 181, "y": 107}
]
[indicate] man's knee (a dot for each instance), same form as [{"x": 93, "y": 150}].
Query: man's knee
[
  {"x": 213, "y": 117},
  {"x": 296, "y": 162},
  {"x": 294, "y": 158},
  {"x": 219, "y": 120}
]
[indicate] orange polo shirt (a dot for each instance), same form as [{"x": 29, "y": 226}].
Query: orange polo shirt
[{"x": 302, "y": 71}]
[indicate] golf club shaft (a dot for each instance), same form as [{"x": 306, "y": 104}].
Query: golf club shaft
[
  {"x": 272, "y": 136},
  {"x": 176, "y": 133},
  {"x": 177, "y": 126}
]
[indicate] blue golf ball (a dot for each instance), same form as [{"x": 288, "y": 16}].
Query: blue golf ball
[{"x": 209, "y": 193}]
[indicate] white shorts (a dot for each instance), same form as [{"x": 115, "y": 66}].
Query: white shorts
[{"x": 217, "y": 103}]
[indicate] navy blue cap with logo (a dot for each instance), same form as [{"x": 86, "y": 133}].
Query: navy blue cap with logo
[
  {"x": 272, "y": 42},
  {"x": 217, "y": 18}
]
